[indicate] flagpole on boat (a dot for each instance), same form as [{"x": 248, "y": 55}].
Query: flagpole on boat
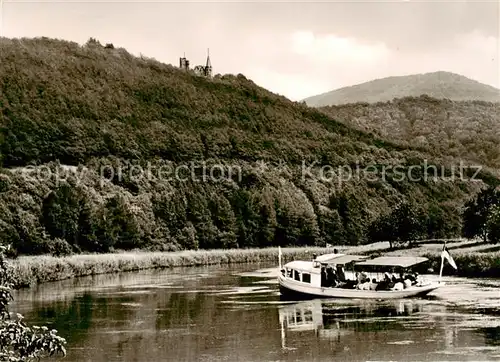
[
  {"x": 441, "y": 271},
  {"x": 279, "y": 257},
  {"x": 446, "y": 254},
  {"x": 442, "y": 262}
]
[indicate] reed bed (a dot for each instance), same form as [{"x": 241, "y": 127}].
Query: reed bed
[
  {"x": 30, "y": 270},
  {"x": 470, "y": 264}
]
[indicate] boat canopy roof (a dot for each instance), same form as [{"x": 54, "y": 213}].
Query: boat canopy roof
[
  {"x": 303, "y": 266},
  {"x": 394, "y": 261},
  {"x": 325, "y": 257},
  {"x": 342, "y": 259}
]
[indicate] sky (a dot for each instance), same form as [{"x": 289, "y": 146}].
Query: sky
[{"x": 297, "y": 49}]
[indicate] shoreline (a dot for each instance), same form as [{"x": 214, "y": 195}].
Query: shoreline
[{"x": 28, "y": 271}]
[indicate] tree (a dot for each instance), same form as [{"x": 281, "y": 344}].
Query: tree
[
  {"x": 330, "y": 226},
  {"x": 93, "y": 42},
  {"x": 352, "y": 212},
  {"x": 406, "y": 223},
  {"x": 382, "y": 230},
  {"x": 18, "y": 341},
  {"x": 478, "y": 211},
  {"x": 493, "y": 224},
  {"x": 60, "y": 213},
  {"x": 409, "y": 222},
  {"x": 120, "y": 229},
  {"x": 247, "y": 218},
  {"x": 224, "y": 220},
  {"x": 443, "y": 221}
]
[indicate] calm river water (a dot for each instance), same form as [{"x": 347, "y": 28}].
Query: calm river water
[{"x": 235, "y": 314}]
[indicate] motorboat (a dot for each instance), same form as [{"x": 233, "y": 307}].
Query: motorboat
[{"x": 354, "y": 276}]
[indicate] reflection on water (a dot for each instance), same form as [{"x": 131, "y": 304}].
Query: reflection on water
[{"x": 235, "y": 314}]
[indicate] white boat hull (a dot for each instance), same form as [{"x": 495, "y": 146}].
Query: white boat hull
[{"x": 289, "y": 286}]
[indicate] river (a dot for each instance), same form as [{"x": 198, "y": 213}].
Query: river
[{"x": 234, "y": 313}]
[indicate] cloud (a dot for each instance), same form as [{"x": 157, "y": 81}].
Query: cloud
[
  {"x": 295, "y": 86},
  {"x": 303, "y": 63},
  {"x": 476, "y": 41},
  {"x": 333, "y": 48}
]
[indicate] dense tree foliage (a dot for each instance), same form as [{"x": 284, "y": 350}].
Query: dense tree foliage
[
  {"x": 480, "y": 216},
  {"x": 103, "y": 150},
  {"x": 493, "y": 224},
  {"x": 468, "y": 130},
  {"x": 406, "y": 223}
]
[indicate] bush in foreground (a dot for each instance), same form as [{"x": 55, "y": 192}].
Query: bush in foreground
[{"x": 18, "y": 341}]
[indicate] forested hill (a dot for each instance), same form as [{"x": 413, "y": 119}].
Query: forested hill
[
  {"x": 468, "y": 130},
  {"x": 70, "y": 103},
  {"x": 440, "y": 85},
  {"x": 106, "y": 111}
]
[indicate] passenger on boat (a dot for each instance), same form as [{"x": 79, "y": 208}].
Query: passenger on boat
[
  {"x": 407, "y": 283},
  {"x": 418, "y": 280},
  {"x": 331, "y": 278},
  {"x": 362, "y": 281},
  {"x": 349, "y": 284},
  {"x": 368, "y": 285},
  {"x": 385, "y": 284},
  {"x": 340, "y": 273},
  {"x": 362, "y": 277},
  {"x": 410, "y": 277},
  {"x": 363, "y": 286},
  {"x": 401, "y": 277},
  {"x": 323, "y": 276},
  {"x": 381, "y": 286},
  {"x": 398, "y": 286}
]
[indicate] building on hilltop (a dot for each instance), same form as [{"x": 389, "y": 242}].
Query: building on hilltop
[
  {"x": 184, "y": 63},
  {"x": 201, "y": 70},
  {"x": 208, "y": 66}
]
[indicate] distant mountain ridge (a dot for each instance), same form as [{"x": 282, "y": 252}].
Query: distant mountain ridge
[{"x": 440, "y": 85}]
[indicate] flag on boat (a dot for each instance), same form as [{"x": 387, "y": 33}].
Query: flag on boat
[{"x": 446, "y": 255}]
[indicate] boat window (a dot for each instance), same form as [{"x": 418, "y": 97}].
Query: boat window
[
  {"x": 296, "y": 275},
  {"x": 299, "y": 317},
  {"x": 306, "y": 277},
  {"x": 288, "y": 273}
]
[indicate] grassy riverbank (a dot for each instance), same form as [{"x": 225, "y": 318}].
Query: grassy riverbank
[
  {"x": 473, "y": 259},
  {"x": 31, "y": 270}
]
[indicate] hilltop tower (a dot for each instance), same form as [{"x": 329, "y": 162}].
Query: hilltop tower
[
  {"x": 208, "y": 66},
  {"x": 184, "y": 63}
]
